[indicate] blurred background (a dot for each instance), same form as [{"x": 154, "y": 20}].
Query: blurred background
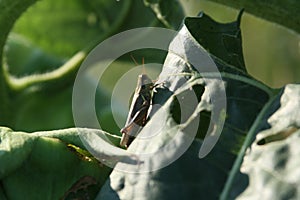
[{"x": 50, "y": 32}]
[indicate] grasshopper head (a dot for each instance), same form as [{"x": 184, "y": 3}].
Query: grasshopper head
[{"x": 144, "y": 82}]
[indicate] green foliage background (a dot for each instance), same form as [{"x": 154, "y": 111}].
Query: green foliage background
[
  {"x": 55, "y": 35},
  {"x": 47, "y": 35},
  {"x": 271, "y": 51}
]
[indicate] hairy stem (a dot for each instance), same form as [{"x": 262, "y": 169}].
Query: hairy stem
[{"x": 64, "y": 72}]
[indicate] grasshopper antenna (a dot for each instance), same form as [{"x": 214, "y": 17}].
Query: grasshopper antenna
[
  {"x": 144, "y": 69},
  {"x": 143, "y": 63},
  {"x": 134, "y": 59}
]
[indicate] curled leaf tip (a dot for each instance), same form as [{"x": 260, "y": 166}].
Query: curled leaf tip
[
  {"x": 200, "y": 14},
  {"x": 239, "y": 17}
]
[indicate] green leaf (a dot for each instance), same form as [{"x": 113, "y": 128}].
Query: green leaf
[
  {"x": 59, "y": 34},
  {"x": 190, "y": 177},
  {"x": 2, "y": 195},
  {"x": 272, "y": 163},
  {"x": 94, "y": 21},
  {"x": 10, "y": 11},
  {"x": 27, "y": 58},
  {"x": 224, "y": 41},
  {"x": 42, "y": 166},
  {"x": 33, "y": 115},
  {"x": 186, "y": 178}
]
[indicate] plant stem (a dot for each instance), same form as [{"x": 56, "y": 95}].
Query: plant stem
[
  {"x": 285, "y": 13},
  {"x": 64, "y": 72},
  {"x": 238, "y": 161}
]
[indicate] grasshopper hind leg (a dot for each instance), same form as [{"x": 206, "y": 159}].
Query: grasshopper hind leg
[{"x": 126, "y": 140}]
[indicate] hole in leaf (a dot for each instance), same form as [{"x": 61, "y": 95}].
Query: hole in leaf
[
  {"x": 203, "y": 124},
  {"x": 85, "y": 188},
  {"x": 177, "y": 109}
]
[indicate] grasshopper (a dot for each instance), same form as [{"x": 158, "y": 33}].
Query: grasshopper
[{"x": 138, "y": 112}]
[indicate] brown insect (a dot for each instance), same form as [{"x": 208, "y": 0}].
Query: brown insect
[{"x": 137, "y": 116}]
